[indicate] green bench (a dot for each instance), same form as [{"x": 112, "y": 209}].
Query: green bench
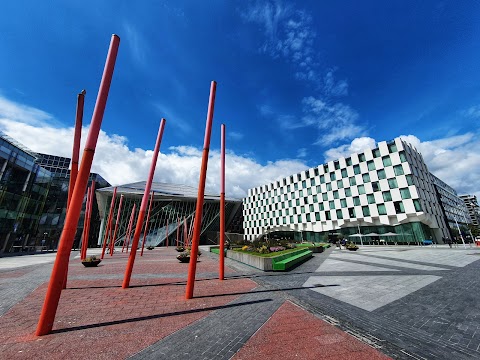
[{"x": 286, "y": 261}]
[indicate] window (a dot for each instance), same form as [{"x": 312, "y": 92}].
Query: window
[
  {"x": 387, "y": 161},
  {"x": 356, "y": 201},
  {"x": 327, "y": 215},
  {"x": 351, "y": 212},
  {"x": 398, "y": 170},
  {"x": 302, "y": 209},
  {"x": 312, "y": 182},
  {"x": 361, "y": 157},
  {"x": 418, "y": 206},
  {"x": 308, "y": 217},
  {"x": 297, "y": 202},
  {"x": 392, "y": 183},
  {"x": 366, "y": 211},
  {"x": 344, "y": 173},
  {"x": 311, "y": 207},
  {"x": 304, "y": 184},
  {"x": 361, "y": 189},
  {"x": 309, "y": 191},
  {"x": 392, "y": 148},
  {"x": 288, "y": 188},
  {"x": 315, "y": 171},
  {"x": 348, "y": 192},
  {"x": 348, "y": 161},
  {"x": 331, "y": 204},
  {"x": 352, "y": 181},
  {"x": 332, "y": 176},
  {"x": 403, "y": 158},
  {"x": 336, "y": 165},
  {"x": 325, "y": 196},
  {"x": 329, "y": 186},
  {"x": 335, "y": 194},
  {"x": 356, "y": 169},
  {"x": 317, "y": 216},
  {"x": 339, "y": 184},
  {"x": 381, "y": 174},
  {"x": 382, "y": 210},
  {"x": 399, "y": 209},
  {"x": 295, "y": 186},
  {"x": 387, "y": 196},
  {"x": 343, "y": 203},
  {"x": 371, "y": 165},
  {"x": 366, "y": 178},
  {"x": 289, "y": 203},
  {"x": 300, "y": 193},
  {"x": 376, "y": 153},
  {"x": 339, "y": 214},
  {"x": 319, "y": 189},
  {"x": 299, "y": 218},
  {"x": 291, "y": 219},
  {"x": 321, "y": 207},
  {"x": 375, "y": 186},
  {"x": 322, "y": 179},
  {"x": 409, "y": 179},
  {"x": 315, "y": 198},
  {"x": 371, "y": 198},
  {"x": 405, "y": 193}
]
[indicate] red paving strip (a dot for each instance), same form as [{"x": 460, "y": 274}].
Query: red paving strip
[
  {"x": 13, "y": 274},
  {"x": 294, "y": 333},
  {"x": 97, "y": 319}
]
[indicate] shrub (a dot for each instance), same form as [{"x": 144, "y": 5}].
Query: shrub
[
  {"x": 276, "y": 248},
  {"x": 263, "y": 250}
]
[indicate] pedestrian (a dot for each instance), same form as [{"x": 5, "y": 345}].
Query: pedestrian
[{"x": 449, "y": 242}]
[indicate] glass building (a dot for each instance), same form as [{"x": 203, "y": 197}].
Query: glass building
[
  {"x": 172, "y": 210},
  {"x": 24, "y": 187},
  {"x": 384, "y": 194}
]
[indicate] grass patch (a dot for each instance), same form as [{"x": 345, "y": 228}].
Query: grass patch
[
  {"x": 325, "y": 245},
  {"x": 272, "y": 254}
]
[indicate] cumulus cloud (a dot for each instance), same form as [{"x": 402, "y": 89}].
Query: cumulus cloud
[
  {"x": 454, "y": 159},
  {"x": 119, "y": 164}
]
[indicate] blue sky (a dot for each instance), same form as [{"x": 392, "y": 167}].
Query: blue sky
[{"x": 299, "y": 83}]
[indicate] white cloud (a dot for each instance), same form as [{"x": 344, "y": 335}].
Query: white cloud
[
  {"x": 357, "y": 145},
  {"x": 472, "y": 112},
  {"x": 118, "y": 164},
  {"x": 234, "y": 135},
  {"x": 136, "y": 44},
  {"x": 19, "y": 112},
  {"x": 301, "y": 153}
]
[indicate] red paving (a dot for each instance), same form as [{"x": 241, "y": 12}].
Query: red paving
[
  {"x": 293, "y": 333},
  {"x": 98, "y": 319}
]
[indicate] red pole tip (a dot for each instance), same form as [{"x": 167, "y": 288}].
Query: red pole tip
[
  {"x": 115, "y": 35},
  {"x": 83, "y": 92}
]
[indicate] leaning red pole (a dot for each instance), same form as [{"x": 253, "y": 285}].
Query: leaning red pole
[
  {"x": 167, "y": 232},
  {"x": 76, "y": 144},
  {"x": 197, "y": 226},
  {"x": 89, "y": 216},
  {"x": 143, "y": 206},
  {"x": 108, "y": 225},
  {"x": 82, "y": 250},
  {"x": 50, "y": 305},
  {"x": 146, "y": 223},
  {"x": 129, "y": 229},
  {"x": 178, "y": 229},
  {"x": 112, "y": 245},
  {"x": 221, "y": 272}
]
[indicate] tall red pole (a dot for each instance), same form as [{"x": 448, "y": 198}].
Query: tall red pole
[
  {"x": 76, "y": 144},
  {"x": 222, "y": 205},
  {"x": 109, "y": 222},
  {"x": 167, "y": 232},
  {"x": 178, "y": 229},
  {"x": 129, "y": 229},
  {"x": 146, "y": 223},
  {"x": 143, "y": 206},
  {"x": 89, "y": 216},
  {"x": 185, "y": 232},
  {"x": 50, "y": 305},
  {"x": 197, "y": 227},
  {"x": 112, "y": 245},
  {"x": 82, "y": 249}
]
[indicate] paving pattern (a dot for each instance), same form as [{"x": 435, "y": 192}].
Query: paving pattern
[{"x": 379, "y": 302}]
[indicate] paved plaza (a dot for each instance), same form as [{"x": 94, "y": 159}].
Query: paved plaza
[{"x": 375, "y": 303}]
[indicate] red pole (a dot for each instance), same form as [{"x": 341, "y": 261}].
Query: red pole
[
  {"x": 89, "y": 216},
  {"x": 76, "y": 144},
  {"x": 129, "y": 229},
  {"x": 143, "y": 206},
  {"x": 178, "y": 229},
  {"x": 50, "y": 305},
  {"x": 222, "y": 205},
  {"x": 146, "y": 223},
  {"x": 112, "y": 245},
  {"x": 109, "y": 222},
  {"x": 167, "y": 232},
  {"x": 185, "y": 232},
  {"x": 84, "y": 224},
  {"x": 197, "y": 227}
]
